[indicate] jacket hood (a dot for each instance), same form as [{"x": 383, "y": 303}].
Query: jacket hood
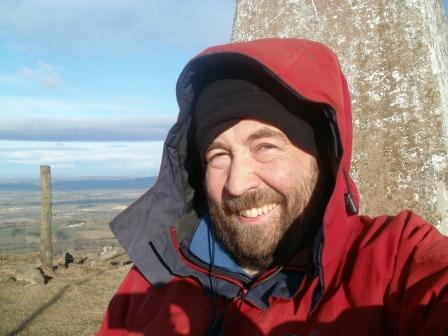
[{"x": 309, "y": 70}]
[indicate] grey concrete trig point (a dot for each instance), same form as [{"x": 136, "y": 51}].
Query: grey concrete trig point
[
  {"x": 395, "y": 56},
  {"x": 46, "y": 247}
]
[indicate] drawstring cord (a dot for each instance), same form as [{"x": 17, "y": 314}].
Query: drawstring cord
[
  {"x": 242, "y": 296},
  {"x": 217, "y": 328},
  {"x": 213, "y": 322}
]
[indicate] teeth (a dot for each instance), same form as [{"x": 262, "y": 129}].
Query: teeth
[{"x": 254, "y": 212}]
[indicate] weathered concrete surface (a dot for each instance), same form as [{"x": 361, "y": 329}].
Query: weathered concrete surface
[{"x": 395, "y": 55}]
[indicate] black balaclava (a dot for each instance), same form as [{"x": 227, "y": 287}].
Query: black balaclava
[{"x": 224, "y": 102}]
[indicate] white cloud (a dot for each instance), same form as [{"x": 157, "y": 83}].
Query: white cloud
[
  {"x": 115, "y": 24},
  {"x": 125, "y": 119},
  {"x": 44, "y": 74},
  {"x": 80, "y": 158},
  {"x": 85, "y": 129}
]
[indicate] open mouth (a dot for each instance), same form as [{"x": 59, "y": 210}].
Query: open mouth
[{"x": 255, "y": 212}]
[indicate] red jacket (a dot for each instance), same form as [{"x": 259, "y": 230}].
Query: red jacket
[{"x": 361, "y": 276}]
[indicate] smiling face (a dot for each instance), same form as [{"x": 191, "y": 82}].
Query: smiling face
[{"x": 258, "y": 184}]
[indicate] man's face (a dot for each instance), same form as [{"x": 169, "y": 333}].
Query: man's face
[{"x": 258, "y": 184}]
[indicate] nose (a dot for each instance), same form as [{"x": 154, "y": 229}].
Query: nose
[{"x": 241, "y": 176}]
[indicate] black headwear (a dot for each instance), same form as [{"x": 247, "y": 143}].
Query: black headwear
[{"x": 224, "y": 102}]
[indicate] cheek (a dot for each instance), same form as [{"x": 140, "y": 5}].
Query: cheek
[
  {"x": 277, "y": 175},
  {"x": 290, "y": 168},
  {"x": 214, "y": 184}
]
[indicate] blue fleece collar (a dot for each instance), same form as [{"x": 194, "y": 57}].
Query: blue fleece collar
[{"x": 201, "y": 247}]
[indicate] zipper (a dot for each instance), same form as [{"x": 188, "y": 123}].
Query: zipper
[
  {"x": 242, "y": 282},
  {"x": 245, "y": 283},
  {"x": 203, "y": 267},
  {"x": 218, "y": 270},
  {"x": 267, "y": 277}
]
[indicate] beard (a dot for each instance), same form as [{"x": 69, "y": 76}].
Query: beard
[{"x": 262, "y": 245}]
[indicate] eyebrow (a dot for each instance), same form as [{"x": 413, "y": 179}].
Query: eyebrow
[
  {"x": 214, "y": 145},
  {"x": 258, "y": 134},
  {"x": 266, "y": 133}
]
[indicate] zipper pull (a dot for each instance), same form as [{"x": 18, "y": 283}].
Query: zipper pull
[
  {"x": 350, "y": 205},
  {"x": 243, "y": 293}
]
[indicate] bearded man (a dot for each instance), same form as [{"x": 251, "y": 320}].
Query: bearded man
[{"x": 252, "y": 225}]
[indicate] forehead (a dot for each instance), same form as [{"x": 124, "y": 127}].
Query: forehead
[{"x": 248, "y": 130}]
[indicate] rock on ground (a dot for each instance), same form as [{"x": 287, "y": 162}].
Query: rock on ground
[{"x": 73, "y": 301}]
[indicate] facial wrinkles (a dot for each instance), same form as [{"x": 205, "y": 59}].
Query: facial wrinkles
[{"x": 257, "y": 246}]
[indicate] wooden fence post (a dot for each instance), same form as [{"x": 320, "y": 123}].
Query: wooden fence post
[{"x": 46, "y": 248}]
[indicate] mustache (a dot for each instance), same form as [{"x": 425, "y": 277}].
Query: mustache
[{"x": 256, "y": 199}]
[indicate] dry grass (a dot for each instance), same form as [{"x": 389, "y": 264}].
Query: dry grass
[{"x": 72, "y": 303}]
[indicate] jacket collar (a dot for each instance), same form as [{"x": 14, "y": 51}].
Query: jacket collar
[{"x": 210, "y": 250}]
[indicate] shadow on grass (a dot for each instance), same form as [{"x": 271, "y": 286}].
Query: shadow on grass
[{"x": 48, "y": 304}]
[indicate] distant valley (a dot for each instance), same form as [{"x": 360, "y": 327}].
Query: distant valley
[
  {"x": 84, "y": 184},
  {"x": 82, "y": 211}
]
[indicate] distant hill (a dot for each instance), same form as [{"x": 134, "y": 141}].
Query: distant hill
[
  {"x": 87, "y": 184},
  {"x": 19, "y": 186}
]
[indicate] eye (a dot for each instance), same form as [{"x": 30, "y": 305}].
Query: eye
[
  {"x": 218, "y": 159},
  {"x": 215, "y": 156},
  {"x": 266, "y": 147},
  {"x": 265, "y": 151}
]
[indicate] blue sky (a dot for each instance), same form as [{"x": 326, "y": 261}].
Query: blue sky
[{"x": 89, "y": 86}]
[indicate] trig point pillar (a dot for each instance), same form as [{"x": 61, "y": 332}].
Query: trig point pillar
[{"x": 395, "y": 56}]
